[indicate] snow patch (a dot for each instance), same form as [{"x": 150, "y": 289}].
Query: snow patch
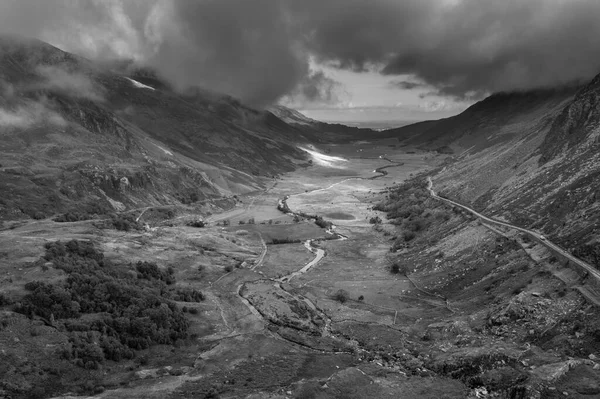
[
  {"x": 139, "y": 85},
  {"x": 325, "y": 160}
]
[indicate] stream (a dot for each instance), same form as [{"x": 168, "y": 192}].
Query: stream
[{"x": 310, "y": 245}]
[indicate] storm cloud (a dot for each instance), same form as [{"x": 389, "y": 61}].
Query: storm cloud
[
  {"x": 259, "y": 50},
  {"x": 405, "y": 85}
]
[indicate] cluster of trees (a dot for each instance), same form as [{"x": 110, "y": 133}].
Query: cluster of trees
[
  {"x": 150, "y": 271},
  {"x": 132, "y": 305},
  {"x": 88, "y": 212},
  {"x": 341, "y": 295},
  {"x": 73, "y": 217},
  {"x": 375, "y": 220},
  {"x": 324, "y": 224},
  {"x": 125, "y": 222},
  {"x": 196, "y": 223},
  {"x": 286, "y": 240},
  {"x": 188, "y": 295},
  {"x": 410, "y": 207}
]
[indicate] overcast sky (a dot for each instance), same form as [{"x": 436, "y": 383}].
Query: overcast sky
[{"x": 334, "y": 59}]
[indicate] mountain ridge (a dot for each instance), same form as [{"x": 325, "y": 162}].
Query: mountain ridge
[{"x": 91, "y": 128}]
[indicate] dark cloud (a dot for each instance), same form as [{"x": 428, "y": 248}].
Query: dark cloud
[
  {"x": 240, "y": 47},
  {"x": 486, "y": 46},
  {"x": 259, "y": 50},
  {"x": 405, "y": 85},
  {"x": 463, "y": 48},
  {"x": 317, "y": 88}
]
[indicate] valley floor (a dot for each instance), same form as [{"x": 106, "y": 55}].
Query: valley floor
[{"x": 293, "y": 310}]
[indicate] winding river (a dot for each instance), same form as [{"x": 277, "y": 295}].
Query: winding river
[{"x": 311, "y": 245}]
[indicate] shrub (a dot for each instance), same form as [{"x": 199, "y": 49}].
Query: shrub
[
  {"x": 409, "y": 236},
  {"x": 150, "y": 271},
  {"x": 125, "y": 222},
  {"x": 4, "y": 300},
  {"x": 397, "y": 268},
  {"x": 287, "y": 240},
  {"x": 375, "y": 220},
  {"x": 196, "y": 223},
  {"x": 342, "y": 296},
  {"x": 324, "y": 224},
  {"x": 188, "y": 295},
  {"x": 39, "y": 215},
  {"x": 228, "y": 268},
  {"x": 72, "y": 217}
]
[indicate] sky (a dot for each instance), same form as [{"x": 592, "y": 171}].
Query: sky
[{"x": 335, "y": 60}]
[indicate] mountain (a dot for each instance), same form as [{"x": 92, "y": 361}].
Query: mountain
[
  {"x": 530, "y": 158},
  {"x": 496, "y": 119},
  {"x": 291, "y": 116},
  {"x": 328, "y": 132},
  {"x": 79, "y": 134}
]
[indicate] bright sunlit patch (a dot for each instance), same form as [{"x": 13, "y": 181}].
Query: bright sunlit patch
[
  {"x": 140, "y": 85},
  {"x": 325, "y": 160}
]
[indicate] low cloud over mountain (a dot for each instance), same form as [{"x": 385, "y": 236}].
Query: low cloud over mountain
[{"x": 259, "y": 50}]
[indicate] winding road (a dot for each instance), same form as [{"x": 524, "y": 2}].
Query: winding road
[{"x": 543, "y": 240}]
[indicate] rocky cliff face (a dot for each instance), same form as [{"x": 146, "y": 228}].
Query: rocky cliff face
[{"x": 578, "y": 125}]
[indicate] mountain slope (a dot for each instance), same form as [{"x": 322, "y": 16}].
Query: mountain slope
[
  {"x": 328, "y": 132},
  {"x": 496, "y": 119},
  {"x": 535, "y": 163},
  {"x": 76, "y": 133}
]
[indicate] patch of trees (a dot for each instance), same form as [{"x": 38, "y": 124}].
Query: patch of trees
[
  {"x": 286, "y": 240},
  {"x": 125, "y": 222},
  {"x": 73, "y": 217},
  {"x": 444, "y": 150},
  {"x": 324, "y": 224},
  {"x": 196, "y": 223},
  {"x": 397, "y": 268},
  {"x": 410, "y": 207},
  {"x": 341, "y": 296},
  {"x": 126, "y": 307},
  {"x": 89, "y": 212},
  {"x": 375, "y": 220},
  {"x": 150, "y": 271},
  {"x": 188, "y": 295}
]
